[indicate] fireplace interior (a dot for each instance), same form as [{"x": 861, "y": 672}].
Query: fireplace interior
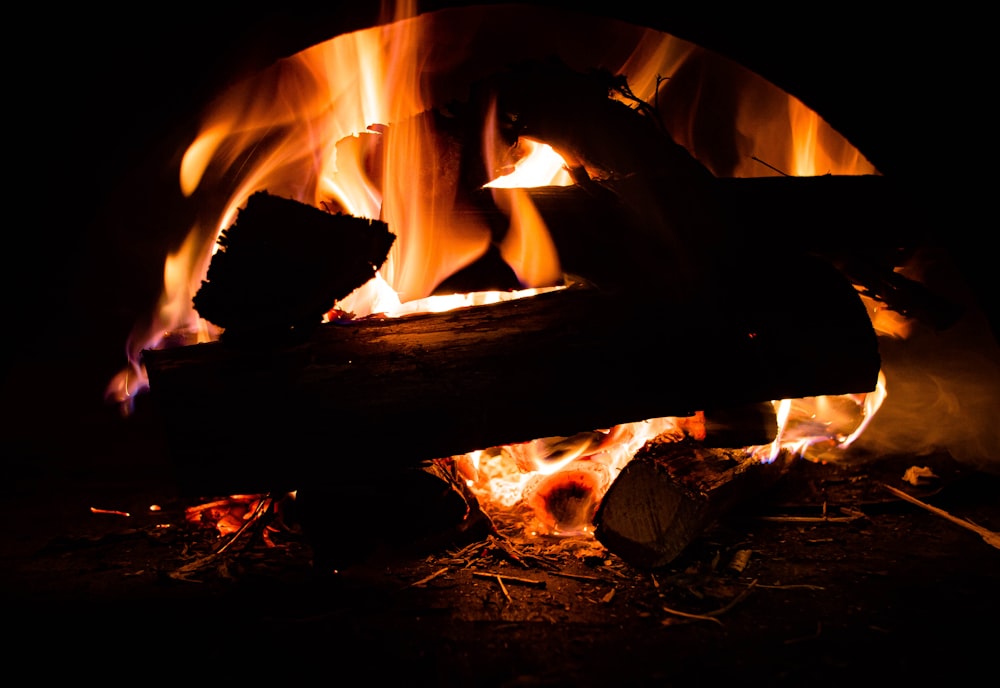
[{"x": 822, "y": 574}]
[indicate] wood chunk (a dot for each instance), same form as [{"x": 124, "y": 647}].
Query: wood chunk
[
  {"x": 671, "y": 492},
  {"x": 283, "y": 264}
]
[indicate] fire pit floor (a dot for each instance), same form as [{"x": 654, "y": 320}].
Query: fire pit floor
[{"x": 828, "y": 580}]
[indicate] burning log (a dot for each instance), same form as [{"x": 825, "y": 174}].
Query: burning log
[
  {"x": 670, "y": 492},
  {"x": 857, "y": 223},
  {"x": 311, "y": 259},
  {"x": 670, "y": 215},
  {"x": 420, "y": 387}
]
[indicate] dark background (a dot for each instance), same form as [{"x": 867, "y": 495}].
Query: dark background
[{"x": 98, "y": 99}]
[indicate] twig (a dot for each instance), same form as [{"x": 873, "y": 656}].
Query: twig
[
  {"x": 991, "y": 537},
  {"x": 735, "y": 601},
  {"x": 768, "y": 165},
  {"x": 111, "y": 512},
  {"x": 579, "y": 576},
  {"x": 793, "y": 586},
  {"x": 849, "y": 516},
  {"x": 697, "y": 617},
  {"x": 503, "y": 588},
  {"x": 426, "y": 579},
  {"x": 510, "y": 579},
  {"x": 262, "y": 506},
  {"x": 712, "y": 616}
]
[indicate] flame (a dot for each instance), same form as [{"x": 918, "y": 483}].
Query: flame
[
  {"x": 339, "y": 125},
  {"x": 539, "y": 165},
  {"x": 561, "y": 480},
  {"x": 344, "y": 125}
]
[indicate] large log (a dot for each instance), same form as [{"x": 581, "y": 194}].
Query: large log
[
  {"x": 397, "y": 391},
  {"x": 612, "y": 233},
  {"x": 670, "y": 493}
]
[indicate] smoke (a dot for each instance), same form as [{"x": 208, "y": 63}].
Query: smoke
[{"x": 943, "y": 387}]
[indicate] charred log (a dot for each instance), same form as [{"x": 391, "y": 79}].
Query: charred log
[
  {"x": 670, "y": 493},
  {"x": 411, "y": 509},
  {"x": 860, "y": 224},
  {"x": 283, "y": 264},
  {"x": 428, "y": 386},
  {"x": 644, "y": 206}
]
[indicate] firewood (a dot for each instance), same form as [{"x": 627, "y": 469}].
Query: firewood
[
  {"x": 283, "y": 264},
  {"x": 671, "y": 492},
  {"x": 413, "y": 509},
  {"x": 860, "y": 224},
  {"x": 671, "y": 216},
  {"x": 434, "y": 385},
  {"x": 592, "y": 118}
]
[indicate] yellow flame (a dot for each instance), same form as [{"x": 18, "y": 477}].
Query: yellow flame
[
  {"x": 540, "y": 165},
  {"x": 341, "y": 125},
  {"x": 527, "y": 247}
]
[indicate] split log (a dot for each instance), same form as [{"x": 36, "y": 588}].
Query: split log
[
  {"x": 427, "y": 386},
  {"x": 670, "y": 493}
]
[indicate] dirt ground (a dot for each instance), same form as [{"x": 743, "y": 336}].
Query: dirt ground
[{"x": 827, "y": 580}]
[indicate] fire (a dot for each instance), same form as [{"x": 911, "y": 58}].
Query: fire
[
  {"x": 345, "y": 125},
  {"x": 540, "y": 165}
]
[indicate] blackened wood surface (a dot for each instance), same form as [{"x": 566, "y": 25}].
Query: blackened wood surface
[
  {"x": 646, "y": 229},
  {"x": 397, "y": 391}
]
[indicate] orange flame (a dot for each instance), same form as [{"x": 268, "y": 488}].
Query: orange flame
[
  {"x": 338, "y": 125},
  {"x": 342, "y": 125}
]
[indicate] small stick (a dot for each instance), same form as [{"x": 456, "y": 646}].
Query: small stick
[
  {"x": 578, "y": 576},
  {"x": 849, "y": 516},
  {"x": 112, "y": 512},
  {"x": 503, "y": 588},
  {"x": 263, "y": 505},
  {"x": 698, "y": 617},
  {"x": 428, "y": 578},
  {"x": 768, "y": 165},
  {"x": 735, "y": 601},
  {"x": 510, "y": 579},
  {"x": 992, "y": 538},
  {"x": 793, "y": 586},
  {"x": 711, "y": 616}
]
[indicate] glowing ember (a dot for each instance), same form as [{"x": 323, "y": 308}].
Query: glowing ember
[{"x": 229, "y": 515}]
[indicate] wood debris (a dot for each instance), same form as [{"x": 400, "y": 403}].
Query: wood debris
[
  {"x": 510, "y": 579},
  {"x": 992, "y": 538},
  {"x": 713, "y": 615}
]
